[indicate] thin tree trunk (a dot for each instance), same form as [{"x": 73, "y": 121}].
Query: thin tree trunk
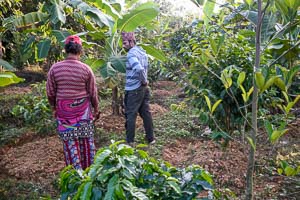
[
  {"x": 1, "y": 50},
  {"x": 115, "y": 101},
  {"x": 253, "y": 133}
]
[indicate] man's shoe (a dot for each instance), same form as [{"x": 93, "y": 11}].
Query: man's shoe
[{"x": 152, "y": 142}]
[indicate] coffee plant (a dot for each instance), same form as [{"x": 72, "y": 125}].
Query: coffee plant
[
  {"x": 34, "y": 109},
  {"x": 122, "y": 172}
]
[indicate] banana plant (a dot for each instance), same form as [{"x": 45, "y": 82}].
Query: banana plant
[
  {"x": 8, "y": 78},
  {"x": 114, "y": 65},
  {"x": 46, "y": 25}
]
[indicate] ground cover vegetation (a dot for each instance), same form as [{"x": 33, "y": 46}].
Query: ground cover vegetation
[{"x": 225, "y": 100}]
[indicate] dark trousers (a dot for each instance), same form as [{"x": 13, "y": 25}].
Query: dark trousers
[{"x": 137, "y": 101}]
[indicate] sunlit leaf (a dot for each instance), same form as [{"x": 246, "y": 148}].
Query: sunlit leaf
[
  {"x": 259, "y": 80},
  {"x": 208, "y": 102},
  {"x": 8, "y": 78},
  {"x": 250, "y": 140},
  {"x": 241, "y": 78},
  {"x": 215, "y": 106}
]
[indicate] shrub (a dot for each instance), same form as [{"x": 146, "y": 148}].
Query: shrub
[
  {"x": 122, "y": 172},
  {"x": 34, "y": 109}
]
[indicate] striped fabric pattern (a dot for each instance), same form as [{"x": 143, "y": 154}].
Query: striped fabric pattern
[
  {"x": 136, "y": 68},
  {"x": 71, "y": 79}
]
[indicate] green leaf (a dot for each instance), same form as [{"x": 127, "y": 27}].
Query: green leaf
[
  {"x": 208, "y": 10},
  {"x": 291, "y": 104},
  {"x": 87, "y": 191},
  {"x": 220, "y": 42},
  {"x": 102, "y": 156},
  {"x": 290, "y": 75},
  {"x": 107, "y": 70},
  {"x": 57, "y": 14},
  {"x": 289, "y": 171},
  {"x": 249, "y": 93},
  {"x": 175, "y": 186},
  {"x": 259, "y": 80},
  {"x": 139, "y": 195},
  {"x": 208, "y": 102},
  {"x": 28, "y": 44},
  {"x": 215, "y": 105},
  {"x": 120, "y": 192},
  {"x": 269, "y": 83},
  {"x": 6, "y": 65},
  {"x": 285, "y": 96},
  {"x": 249, "y": 2},
  {"x": 29, "y": 19},
  {"x": 143, "y": 154},
  {"x": 241, "y": 78},
  {"x": 111, "y": 186},
  {"x": 251, "y": 143},
  {"x": 226, "y": 78},
  {"x": 100, "y": 18},
  {"x": 96, "y": 193},
  {"x": 207, "y": 177},
  {"x": 213, "y": 46},
  {"x": 43, "y": 48},
  {"x": 109, "y": 9},
  {"x": 279, "y": 83},
  {"x": 269, "y": 128},
  {"x": 138, "y": 17},
  {"x": 277, "y": 134},
  {"x": 60, "y": 36},
  {"x": 118, "y": 63},
  {"x": 152, "y": 51},
  {"x": 7, "y": 78},
  {"x": 95, "y": 64}
]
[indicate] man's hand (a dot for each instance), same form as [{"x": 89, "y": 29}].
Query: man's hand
[{"x": 145, "y": 84}]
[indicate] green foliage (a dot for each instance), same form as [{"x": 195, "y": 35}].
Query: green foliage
[
  {"x": 9, "y": 135},
  {"x": 214, "y": 71},
  {"x": 19, "y": 190},
  {"x": 288, "y": 164},
  {"x": 121, "y": 172},
  {"x": 8, "y": 78},
  {"x": 34, "y": 109}
]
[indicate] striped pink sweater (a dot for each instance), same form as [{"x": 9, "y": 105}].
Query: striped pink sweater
[{"x": 71, "y": 79}]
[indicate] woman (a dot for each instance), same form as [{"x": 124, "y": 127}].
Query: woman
[{"x": 72, "y": 94}]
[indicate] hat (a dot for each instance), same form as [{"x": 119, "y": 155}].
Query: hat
[
  {"x": 128, "y": 36},
  {"x": 73, "y": 38}
]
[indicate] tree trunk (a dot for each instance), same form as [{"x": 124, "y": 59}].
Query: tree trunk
[
  {"x": 253, "y": 132},
  {"x": 1, "y": 50},
  {"x": 115, "y": 101}
]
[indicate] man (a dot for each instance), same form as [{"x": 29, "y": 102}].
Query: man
[{"x": 137, "y": 93}]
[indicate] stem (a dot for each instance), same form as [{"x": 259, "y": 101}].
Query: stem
[{"x": 253, "y": 132}]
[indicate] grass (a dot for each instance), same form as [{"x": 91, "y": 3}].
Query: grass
[
  {"x": 167, "y": 128},
  {"x": 12, "y": 189}
]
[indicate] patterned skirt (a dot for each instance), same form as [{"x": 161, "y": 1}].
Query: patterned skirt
[{"x": 76, "y": 129}]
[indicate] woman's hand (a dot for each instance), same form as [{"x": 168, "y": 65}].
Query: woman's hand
[
  {"x": 96, "y": 115},
  {"x": 54, "y": 114}
]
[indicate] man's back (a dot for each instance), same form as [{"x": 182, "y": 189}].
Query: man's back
[{"x": 136, "y": 68}]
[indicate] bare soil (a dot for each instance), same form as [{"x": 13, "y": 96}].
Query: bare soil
[{"x": 40, "y": 159}]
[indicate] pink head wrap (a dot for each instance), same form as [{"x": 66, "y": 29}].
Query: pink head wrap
[
  {"x": 129, "y": 36},
  {"x": 73, "y": 38}
]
